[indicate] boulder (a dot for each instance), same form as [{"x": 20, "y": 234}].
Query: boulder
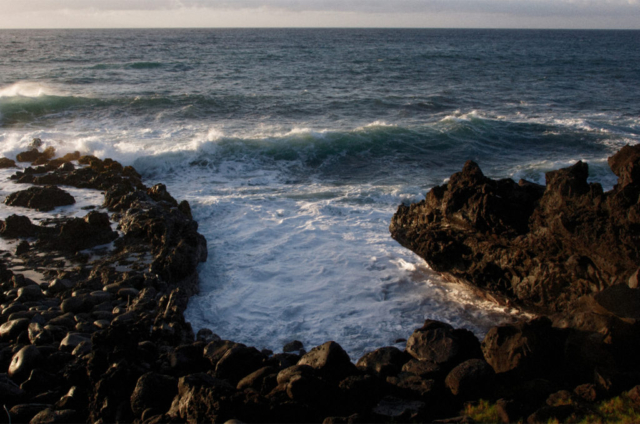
[
  {"x": 72, "y": 340},
  {"x": 410, "y": 386},
  {"x": 23, "y": 413},
  {"x": 82, "y": 233},
  {"x": 424, "y": 369},
  {"x": 40, "y": 198},
  {"x": 385, "y": 361},
  {"x": 525, "y": 349},
  {"x": 10, "y": 392},
  {"x": 205, "y": 335},
  {"x": 188, "y": 359},
  {"x": 262, "y": 380},
  {"x": 7, "y": 163},
  {"x": 330, "y": 360},
  {"x": 293, "y": 346},
  {"x": 392, "y": 409},
  {"x": 288, "y": 373},
  {"x": 17, "y": 226},
  {"x": 50, "y": 415},
  {"x": 200, "y": 399},
  {"x": 238, "y": 362},
  {"x": 38, "y": 335},
  {"x": 12, "y": 329},
  {"x": 154, "y": 391},
  {"x": 23, "y": 362},
  {"x": 471, "y": 379},
  {"x": 440, "y": 343},
  {"x": 29, "y": 294}
]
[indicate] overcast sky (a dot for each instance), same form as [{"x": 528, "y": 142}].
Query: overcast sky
[{"x": 615, "y": 14}]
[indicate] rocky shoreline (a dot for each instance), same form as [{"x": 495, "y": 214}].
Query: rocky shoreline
[{"x": 102, "y": 336}]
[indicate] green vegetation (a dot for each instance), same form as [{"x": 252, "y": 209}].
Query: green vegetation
[
  {"x": 482, "y": 412},
  {"x": 620, "y": 410}
]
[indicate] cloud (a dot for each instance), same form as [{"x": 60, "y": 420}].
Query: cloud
[
  {"x": 320, "y": 13},
  {"x": 511, "y": 7}
]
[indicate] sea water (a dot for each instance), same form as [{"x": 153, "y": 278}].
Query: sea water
[{"x": 295, "y": 147}]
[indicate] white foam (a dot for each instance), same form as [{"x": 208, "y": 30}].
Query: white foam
[
  {"x": 314, "y": 263},
  {"x": 28, "y": 89}
]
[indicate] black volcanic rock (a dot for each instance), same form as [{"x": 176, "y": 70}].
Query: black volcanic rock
[
  {"x": 7, "y": 163},
  {"x": 439, "y": 343},
  {"x": 542, "y": 247},
  {"x": 17, "y": 226},
  {"x": 40, "y": 198}
]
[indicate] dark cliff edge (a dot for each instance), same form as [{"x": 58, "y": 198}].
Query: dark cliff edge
[
  {"x": 101, "y": 336},
  {"x": 540, "y": 247}
]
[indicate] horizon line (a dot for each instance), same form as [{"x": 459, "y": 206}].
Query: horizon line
[{"x": 323, "y": 27}]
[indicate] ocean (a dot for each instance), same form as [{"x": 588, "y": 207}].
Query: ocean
[{"x": 295, "y": 147}]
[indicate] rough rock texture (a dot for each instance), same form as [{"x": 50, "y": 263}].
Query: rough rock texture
[
  {"x": 7, "y": 163},
  {"x": 40, "y": 198},
  {"x": 542, "y": 247}
]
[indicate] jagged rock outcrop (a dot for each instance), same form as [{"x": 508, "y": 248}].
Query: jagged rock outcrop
[{"x": 542, "y": 247}]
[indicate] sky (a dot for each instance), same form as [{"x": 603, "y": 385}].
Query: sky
[{"x": 573, "y": 14}]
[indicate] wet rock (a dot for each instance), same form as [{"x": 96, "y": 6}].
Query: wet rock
[
  {"x": 60, "y": 285},
  {"x": 238, "y": 362},
  {"x": 257, "y": 379},
  {"x": 29, "y": 294},
  {"x": 39, "y": 381},
  {"x": 38, "y": 335},
  {"x": 215, "y": 350},
  {"x": 159, "y": 193},
  {"x": 200, "y": 399},
  {"x": 154, "y": 391},
  {"x": 7, "y": 163},
  {"x": 287, "y": 374},
  {"x": 360, "y": 393},
  {"x": 17, "y": 226},
  {"x": 391, "y": 409},
  {"x": 83, "y": 348},
  {"x": 72, "y": 340},
  {"x": 330, "y": 360},
  {"x": 542, "y": 247},
  {"x": 312, "y": 391},
  {"x": 12, "y": 329},
  {"x": 23, "y": 413},
  {"x": 472, "y": 378},
  {"x": 385, "y": 361},
  {"x": 410, "y": 386},
  {"x": 76, "y": 304},
  {"x": 423, "y": 369},
  {"x": 75, "y": 399},
  {"x": 188, "y": 359},
  {"x": 81, "y": 233},
  {"x": 10, "y": 392},
  {"x": 23, "y": 247},
  {"x": 40, "y": 198},
  {"x": 52, "y": 416},
  {"x": 206, "y": 335},
  {"x": 293, "y": 346},
  {"x": 524, "y": 348},
  {"x": 28, "y": 156},
  {"x": 440, "y": 343},
  {"x": 23, "y": 362}
]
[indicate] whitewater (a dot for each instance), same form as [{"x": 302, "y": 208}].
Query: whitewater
[{"x": 295, "y": 147}]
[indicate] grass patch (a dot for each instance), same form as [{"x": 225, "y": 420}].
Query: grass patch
[
  {"x": 620, "y": 409},
  {"x": 482, "y": 412}
]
